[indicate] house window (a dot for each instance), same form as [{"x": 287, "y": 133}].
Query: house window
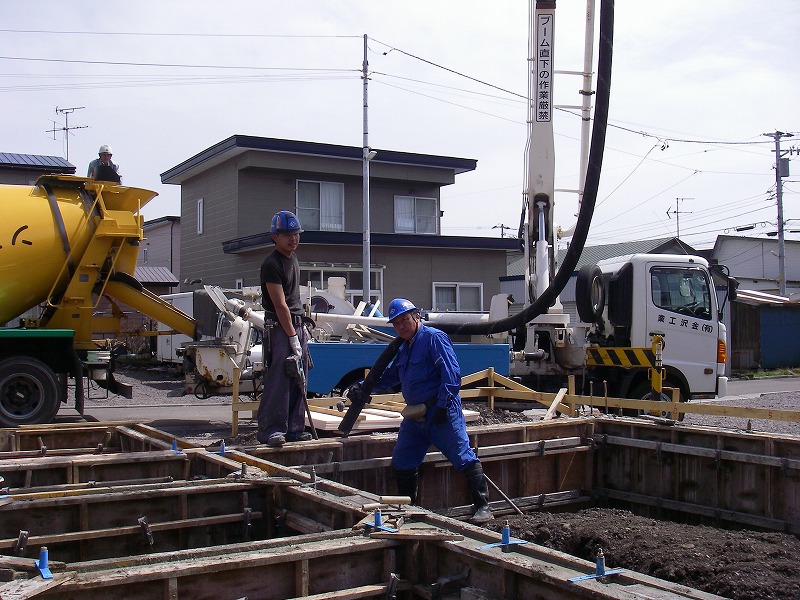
[
  {"x": 239, "y": 284},
  {"x": 458, "y": 297},
  {"x": 318, "y": 274},
  {"x": 320, "y": 205},
  {"x": 144, "y": 255},
  {"x": 200, "y": 216},
  {"x": 415, "y": 215}
]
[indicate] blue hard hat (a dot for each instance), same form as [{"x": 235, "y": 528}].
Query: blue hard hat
[
  {"x": 286, "y": 222},
  {"x": 400, "y": 306}
]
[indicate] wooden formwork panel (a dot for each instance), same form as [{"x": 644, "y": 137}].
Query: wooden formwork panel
[
  {"x": 751, "y": 478},
  {"x": 523, "y": 459},
  {"x": 100, "y": 525},
  {"x": 346, "y": 565},
  {"x": 197, "y": 528},
  {"x": 44, "y": 471},
  {"x": 57, "y": 438}
]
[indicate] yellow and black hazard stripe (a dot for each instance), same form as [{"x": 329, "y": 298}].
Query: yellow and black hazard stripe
[{"x": 620, "y": 357}]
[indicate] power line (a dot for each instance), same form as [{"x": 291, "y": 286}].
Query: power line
[
  {"x": 174, "y": 65},
  {"x": 156, "y": 34}
]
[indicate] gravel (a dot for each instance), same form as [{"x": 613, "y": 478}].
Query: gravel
[{"x": 778, "y": 401}]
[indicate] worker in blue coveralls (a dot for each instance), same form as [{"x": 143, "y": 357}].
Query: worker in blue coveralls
[
  {"x": 281, "y": 412},
  {"x": 429, "y": 376}
]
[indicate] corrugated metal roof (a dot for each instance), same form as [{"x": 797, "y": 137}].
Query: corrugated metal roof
[
  {"x": 155, "y": 276},
  {"x": 755, "y": 297},
  {"x": 36, "y": 162}
]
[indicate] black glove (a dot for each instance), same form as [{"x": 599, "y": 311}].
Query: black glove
[
  {"x": 357, "y": 395},
  {"x": 440, "y": 415}
]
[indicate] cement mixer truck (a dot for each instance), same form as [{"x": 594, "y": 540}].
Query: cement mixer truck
[{"x": 68, "y": 248}]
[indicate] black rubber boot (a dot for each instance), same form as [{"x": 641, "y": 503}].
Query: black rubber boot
[
  {"x": 407, "y": 483},
  {"x": 479, "y": 492}
]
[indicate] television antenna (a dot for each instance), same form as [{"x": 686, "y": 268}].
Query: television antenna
[{"x": 66, "y": 129}]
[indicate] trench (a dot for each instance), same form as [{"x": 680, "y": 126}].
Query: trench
[{"x": 126, "y": 510}]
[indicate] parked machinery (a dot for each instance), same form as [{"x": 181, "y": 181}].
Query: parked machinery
[{"x": 66, "y": 244}]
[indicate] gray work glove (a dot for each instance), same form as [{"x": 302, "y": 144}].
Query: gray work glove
[{"x": 294, "y": 346}]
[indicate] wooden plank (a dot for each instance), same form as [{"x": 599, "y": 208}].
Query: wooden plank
[
  {"x": 477, "y": 376},
  {"x": 27, "y": 565},
  {"x": 418, "y": 533},
  {"x": 742, "y": 457},
  {"x": 363, "y": 591},
  {"x": 372, "y": 420},
  {"x": 91, "y": 534},
  {"x": 21, "y": 589},
  {"x": 556, "y": 404}
]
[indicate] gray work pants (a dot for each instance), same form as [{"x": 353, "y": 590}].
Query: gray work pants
[{"x": 282, "y": 408}]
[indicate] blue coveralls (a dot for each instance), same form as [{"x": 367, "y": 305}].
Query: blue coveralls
[{"x": 427, "y": 370}]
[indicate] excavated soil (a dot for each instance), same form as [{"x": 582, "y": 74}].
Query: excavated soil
[{"x": 741, "y": 564}]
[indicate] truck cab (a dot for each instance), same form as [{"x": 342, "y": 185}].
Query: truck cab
[{"x": 671, "y": 296}]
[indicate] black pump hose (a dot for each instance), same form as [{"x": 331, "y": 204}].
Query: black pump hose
[{"x": 591, "y": 185}]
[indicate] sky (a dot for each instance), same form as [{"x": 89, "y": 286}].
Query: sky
[{"x": 694, "y": 88}]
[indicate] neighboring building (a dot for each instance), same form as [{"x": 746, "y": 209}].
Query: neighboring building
[
  {"x": 159, "y": 264},
  {"x": 761, "y": 318},
  {"x": 754, "y": 262},
  {"x": 24, "y": 169},
  {"x": 230, "y": 191}
]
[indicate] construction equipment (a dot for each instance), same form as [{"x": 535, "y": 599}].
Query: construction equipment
[
  {"x": 68, "y": 250},
  {"x": 622, "y": 305}
]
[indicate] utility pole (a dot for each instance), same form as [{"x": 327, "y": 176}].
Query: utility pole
[
  {"x": 502, "y": 229},
  {"x": 66, "y": 129},
  {"x": 781, "y": 170},
  {"x": 677, "y": 212},
  {"x": 367, "y": 155}
]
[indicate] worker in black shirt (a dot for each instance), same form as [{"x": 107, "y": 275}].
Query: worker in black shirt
[{"x": 281, "y": 413}]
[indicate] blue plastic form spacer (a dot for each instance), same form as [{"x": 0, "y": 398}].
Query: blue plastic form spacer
[
  {"x": 506, "y": 541},
  {"x": 41, "y": 564},
  {"x": 505, "y": 536},
  {"x": 377, "y": 522}
]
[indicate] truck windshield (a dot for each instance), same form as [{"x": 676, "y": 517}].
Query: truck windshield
[{"x": 680, "y": 290}]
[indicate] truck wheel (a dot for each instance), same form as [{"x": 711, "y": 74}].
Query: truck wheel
[
  {"x": 28, "y": 392},
  {"x": 590, "y": 294},
  {"x": 642, "y": 392}
]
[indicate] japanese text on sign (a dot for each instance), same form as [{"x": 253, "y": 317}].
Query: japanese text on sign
[
  {"x": 679, "y": 321},
  {"x": 543, "y": 102}
]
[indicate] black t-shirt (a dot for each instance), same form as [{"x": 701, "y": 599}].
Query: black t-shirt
[
  {"x": 284, "y": 271},
  {"x": 106, "y": 173}
]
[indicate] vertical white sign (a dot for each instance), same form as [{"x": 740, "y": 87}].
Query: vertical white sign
[{"x": 543, "y": 102}]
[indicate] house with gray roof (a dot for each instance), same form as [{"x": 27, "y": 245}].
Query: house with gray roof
[{"x": 230, "y": 191}]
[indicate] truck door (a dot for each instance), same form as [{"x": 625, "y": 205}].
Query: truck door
[{"x": 680, "y": 307}]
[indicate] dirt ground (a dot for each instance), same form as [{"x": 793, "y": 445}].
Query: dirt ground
[
  {"x": 743, "y": 564},
  {"x": 740, "y": 564}
]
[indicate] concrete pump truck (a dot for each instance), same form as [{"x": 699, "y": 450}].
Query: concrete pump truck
[{"x": 630, "y": 309}]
